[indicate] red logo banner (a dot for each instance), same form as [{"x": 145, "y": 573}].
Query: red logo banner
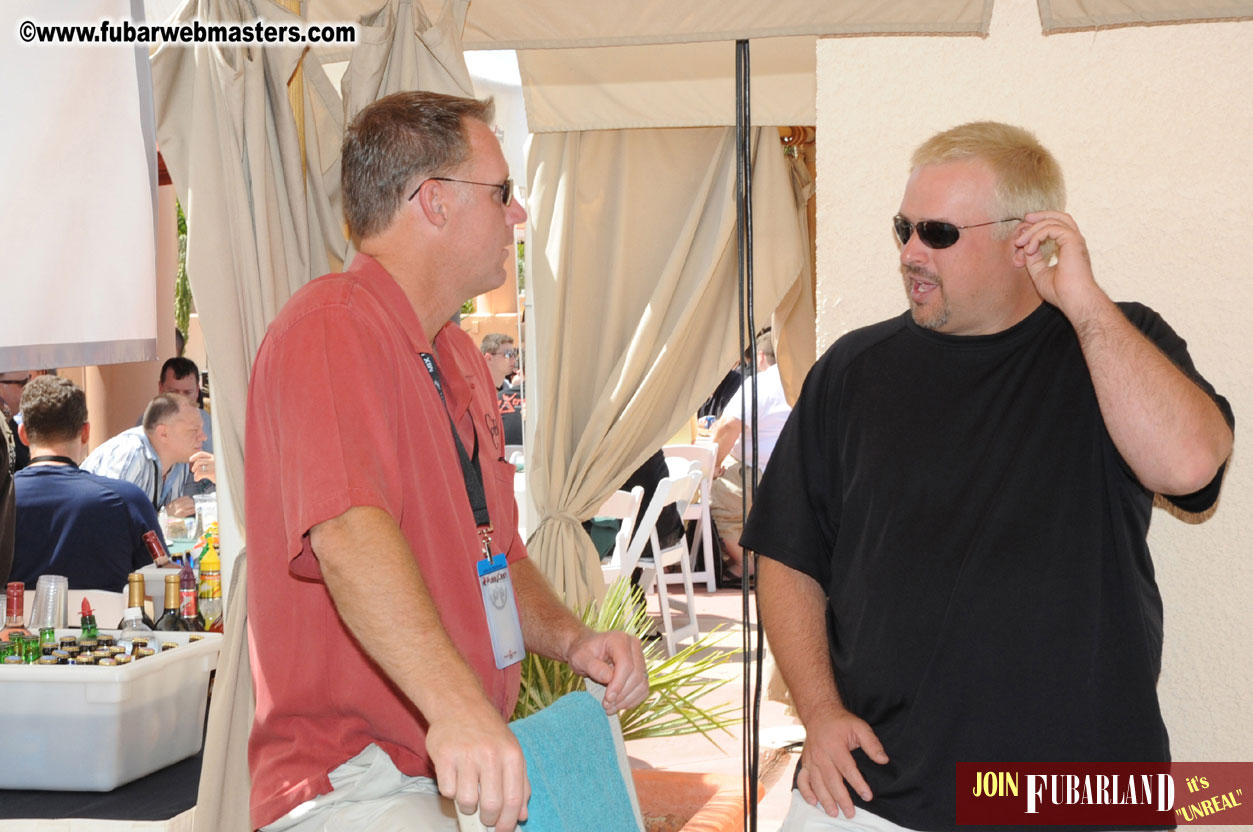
[{"x": 1113, "y": 794}]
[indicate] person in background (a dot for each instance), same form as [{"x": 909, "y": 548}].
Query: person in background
[
  {"x": 733, "y": 468},
  {"x": 180, "y": 376},
  {"x": 11, "y": 385},
  {"x": 71, "y": 522},
  {"x": 502, "y": 362},
  {"x": 362, "y": 526},
  {"x": 8, "y": 511},
  {"x": 160, "y": 456},
  {"x": 951, "y": 535}
]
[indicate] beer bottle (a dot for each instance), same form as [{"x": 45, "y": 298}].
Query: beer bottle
[
  {"x": 14, "y": 611},
  {"x": 87, "y": 621},
  {"x": 171, "y": 617},
  {"x": 136, "y": 593}
]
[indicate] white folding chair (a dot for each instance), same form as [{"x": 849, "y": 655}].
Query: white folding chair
[
  {"x": 625, "y": 506},
  {"x": 679, "y": 492},
  {"x": 698, "y": 509}
]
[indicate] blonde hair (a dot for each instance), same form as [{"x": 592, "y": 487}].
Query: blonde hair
[{"x": 1028, "y": 178}]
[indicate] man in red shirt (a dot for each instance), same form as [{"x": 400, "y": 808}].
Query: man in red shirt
[{"x": 378, "y": 687}]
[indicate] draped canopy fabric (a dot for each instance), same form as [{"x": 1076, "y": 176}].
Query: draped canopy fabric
[
  {"x": 1077, "y": 15},
  {"x": 78, "y": 221},
  {"x": 633, "y": 262}
]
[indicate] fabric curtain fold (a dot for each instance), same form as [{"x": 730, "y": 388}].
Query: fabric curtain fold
[
  {"x": 633, "y": 262},
  {"x": 795, "y": 335}
]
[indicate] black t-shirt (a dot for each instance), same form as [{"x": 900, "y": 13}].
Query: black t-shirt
[{"x": 982, "y": 544}]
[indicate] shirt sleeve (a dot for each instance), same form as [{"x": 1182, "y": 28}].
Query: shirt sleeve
[
  {"x": 1176, "y": 349},
  {"x": 796, "y": 515},
  {"x": 143, "y": 519},
  {"x": 332, "y": 402}
]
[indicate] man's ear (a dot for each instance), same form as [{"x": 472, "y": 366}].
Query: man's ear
[
  {"x": 431, "y": 201},
  {"x": 86, "y": 432},
  {"x": 21, "y": 434}
]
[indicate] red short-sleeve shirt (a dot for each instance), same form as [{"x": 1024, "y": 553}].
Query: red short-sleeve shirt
[{"x": 342, "y": 412}]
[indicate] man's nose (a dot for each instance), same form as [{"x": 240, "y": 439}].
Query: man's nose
[
  {"x": 914, "y": 252},
  {"x": 515, "y": 213}
]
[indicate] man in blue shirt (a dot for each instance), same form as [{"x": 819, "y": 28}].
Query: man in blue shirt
[{"x": 70, "y": 522}]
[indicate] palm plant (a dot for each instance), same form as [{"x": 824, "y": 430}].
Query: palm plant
[{"x": 676, "y": 682}]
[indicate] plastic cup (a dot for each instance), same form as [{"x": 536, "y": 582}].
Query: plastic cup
[
  {"x": 206, "y": 509},
  {"x": 51, "y": 607}
]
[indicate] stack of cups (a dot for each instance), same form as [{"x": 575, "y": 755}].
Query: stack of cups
[{"x": 51, "y": 607}]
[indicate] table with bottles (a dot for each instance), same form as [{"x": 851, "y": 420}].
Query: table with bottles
[{"x": 95, "y": 708}]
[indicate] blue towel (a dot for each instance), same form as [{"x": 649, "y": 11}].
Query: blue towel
[{"x": 571, "y": 761}]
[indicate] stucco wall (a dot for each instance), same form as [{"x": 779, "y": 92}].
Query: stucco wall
[{"x": 1153, "y": 127}]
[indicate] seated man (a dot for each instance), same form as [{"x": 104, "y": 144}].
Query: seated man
[
  {"x": 502, "y": 362},
  {"x": 732, "y": 476},
  {"x": 70, "y": 522},
  {"x": 180, "y": 376},
  {"x": 158, "y": 455}
]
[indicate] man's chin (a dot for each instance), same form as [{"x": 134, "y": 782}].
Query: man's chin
[{"x": 933, "y": 319}]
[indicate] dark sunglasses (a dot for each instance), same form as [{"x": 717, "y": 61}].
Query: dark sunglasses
[
  {"x": 934, "y": 233},
  {"x": 505, "y": 188}
]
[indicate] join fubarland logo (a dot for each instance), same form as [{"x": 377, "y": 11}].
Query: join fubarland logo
[{"x": 1149, "y": 794}]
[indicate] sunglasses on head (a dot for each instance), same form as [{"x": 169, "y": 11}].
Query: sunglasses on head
[
  {"x": 505, "y": 188},
  {"x": 935, "y": 233}
]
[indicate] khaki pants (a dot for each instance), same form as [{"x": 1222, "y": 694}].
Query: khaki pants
[
  {"x": 370, "y": 793},
  {"x": 724, "y": 501}
]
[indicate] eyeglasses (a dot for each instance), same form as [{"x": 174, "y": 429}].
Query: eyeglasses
[
  {"x": 507, "y": 353},
  {"x": 505, "y": 188},
  {"x": 20, "y": 382},
  {"x": 934, "y": 233}
]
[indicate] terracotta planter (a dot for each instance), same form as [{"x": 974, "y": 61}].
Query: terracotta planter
[{"x": 679, "y": 800}]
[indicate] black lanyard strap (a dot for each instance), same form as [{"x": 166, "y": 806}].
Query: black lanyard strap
[
  {"x": 471, "y": 471},
  {"x": 64, "y": 460}
]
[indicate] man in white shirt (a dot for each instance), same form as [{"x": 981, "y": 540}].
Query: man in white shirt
[{"x": 733, "y": 469}]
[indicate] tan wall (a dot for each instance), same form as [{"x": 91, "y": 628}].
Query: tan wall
[{"x": 1153, "y": 127}]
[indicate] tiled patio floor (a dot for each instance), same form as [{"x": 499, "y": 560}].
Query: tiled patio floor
[{"x": 695, "y": 753}]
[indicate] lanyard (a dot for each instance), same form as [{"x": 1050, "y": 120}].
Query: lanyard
[
  {"x": 471, "y": 471},
  {"x": 53, "y": 458}
]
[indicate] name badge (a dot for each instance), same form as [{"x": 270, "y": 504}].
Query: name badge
[{"x": 502, "y": 611}]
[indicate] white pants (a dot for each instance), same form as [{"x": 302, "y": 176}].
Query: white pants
[
  {"x": 801, "y": 817},
  {"x": 369, "y": 792}
]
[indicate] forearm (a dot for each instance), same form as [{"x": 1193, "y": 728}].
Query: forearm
[
  {"x": 429, "y": 671},
  {"x": 549, "y": 628},
  {"x": 794, "y": 614},
  {"x": 725, "y": 433},
  {"x": 1169, "y": 431}
]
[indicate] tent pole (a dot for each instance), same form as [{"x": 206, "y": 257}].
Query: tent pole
[{"x": 747, "y": 330}]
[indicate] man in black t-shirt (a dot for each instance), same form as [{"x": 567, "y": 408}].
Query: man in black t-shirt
[{"x": 956, "y": 512}]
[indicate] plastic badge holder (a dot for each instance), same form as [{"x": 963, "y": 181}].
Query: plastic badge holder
[{"x": 96, "y": 728}]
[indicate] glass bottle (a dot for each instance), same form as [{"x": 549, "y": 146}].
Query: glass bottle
[
  {"x": 14, "y": 611},
  {"x": 171, "y": 617},
  {"x": 155, "y": 548},
  {"x": 189, "y": 600},
  {"x": 87, "y": 621},
  {"x": 211, "y": 589},
  {"x": 136, "y": 594}
]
